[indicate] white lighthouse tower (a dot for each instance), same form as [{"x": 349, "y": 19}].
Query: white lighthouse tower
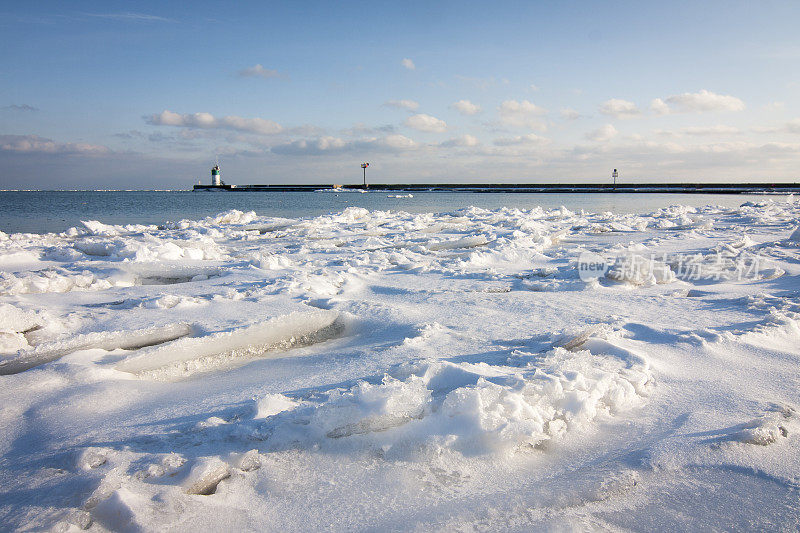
[{"x": 215, "y": 179}]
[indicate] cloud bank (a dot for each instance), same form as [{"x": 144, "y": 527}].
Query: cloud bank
[
  {"x": 208, "y": 121},
  {"x": 521, "y": 114},
  {"x": 33, "y": 144},
  {"x": 426, "y": 123},
  {"x": 620, "y": 108},
  {"x": 331, "y": 145},
  {"x": 602, "y": 134},
  {"x": 465, "y": 141},
  {"x": 465, "y": 107},
  {"x": 521, "y": 140},
  {"x": 699, "y": 102}
]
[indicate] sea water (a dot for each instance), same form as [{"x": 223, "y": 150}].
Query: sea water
[{"x": 57, "y": 211}]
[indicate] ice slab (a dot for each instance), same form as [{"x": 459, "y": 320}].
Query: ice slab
[
  {"x": 188, "y": 356},
  {"x": 107, "y": 340}
]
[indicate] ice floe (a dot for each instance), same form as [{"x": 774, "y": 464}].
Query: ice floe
[{"x": 385, "y": 370}]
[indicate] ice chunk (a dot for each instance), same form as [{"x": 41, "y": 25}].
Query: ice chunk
[
  {"x": 107, "y": 340},
  {"x": 477, "y": 408},
  {"x": 639, "y": 270},
  {"x": 234, "y": 216},
  {"x": 188, "y": 356},
  {"x": 770, "y": 427},
  {"x": 80, "y": 518},
  {"x": 574, "y": 342},
  {"x": 94, "y": 227},
  {"x": 51, "y": 280},
  {"x": 93, "y": 458},
  {"x": 117, "y": 512},
  {"x": 272, "y": 404},
  {"x": 271, "y": 261},
  {"x": 351, "y": 215},
  {"x": 464, "y": 242},
  {"x": 368, "y": 408},
  {"x": 207, "y": 476},
  {"x": 11, "y": 341},
  {"x": 249, "y": 461},
  {"x": 13, "y": 259}
]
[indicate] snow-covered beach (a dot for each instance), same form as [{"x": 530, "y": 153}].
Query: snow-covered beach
[{"x": 382, "y": 370}]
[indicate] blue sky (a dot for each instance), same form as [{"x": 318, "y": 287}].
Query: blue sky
[{"x": 147, "y": 94}]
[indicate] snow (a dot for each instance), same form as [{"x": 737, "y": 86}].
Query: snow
[
  {"x": 639, "y": 270},
  {"x": 380, "y": 370}
]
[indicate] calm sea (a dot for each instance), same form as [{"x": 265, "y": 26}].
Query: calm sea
[{"x": 56, "y": 211}]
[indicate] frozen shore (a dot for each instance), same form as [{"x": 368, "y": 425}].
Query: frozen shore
[{"x": 377, "y": 370}]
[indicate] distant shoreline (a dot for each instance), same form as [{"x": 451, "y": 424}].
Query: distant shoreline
[{"x": 688, "y": 188}]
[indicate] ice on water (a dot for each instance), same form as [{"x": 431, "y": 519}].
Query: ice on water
[{"x": 394, "y": 371}]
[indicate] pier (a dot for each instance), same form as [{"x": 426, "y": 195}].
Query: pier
[{"x": 561, "y": 188}]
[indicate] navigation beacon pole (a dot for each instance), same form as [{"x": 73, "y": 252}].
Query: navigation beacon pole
[
  {"x": 615, "y": 175},
  {"x": 364, "y": 167}
]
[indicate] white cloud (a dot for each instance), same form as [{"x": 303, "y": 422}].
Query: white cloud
[
  {"x": 254, "y": 125},
  {"x": 775, "y": 106},
  {"x": 463, "y": 141},
  {"x": 33, "y": 144},
  {"x": 569, "y": 114},
  {"x": 310, "y": 146},
  {"x": 304, "y": 130},
  {"x": 523, "y": 107},
  {"x": 699, "y": 131},
  {"x": 208, "y": 121},
  {"x": 602, "y": 134},
  {"x": 423, "y": 122},
  {"x": 394, "y": 142},
  {"x": 132, "y": 17},
  {"x": 258, "y": 71},
  {"x": 793, "y": 126},
  {"x": 406, "y": 62},
  {"x": 330, "y": 145},
  {"x": 361, "y": 129},
  {"x": 20, "y": 107},
  {"x": 659, "y": 107},
  {"x": 619, "y": 108},
  {"x": 529, "y": 139},
  {"x": 786, "y": 148},
  {"x": 409, "y": 105},
  {"x": 711, "y": 130},
  {"x": 522, "y": 114},
  {"x": 534, "y": 87},
  {"x": 699, "y": 102},
  {"x": 465, "y": 107}
]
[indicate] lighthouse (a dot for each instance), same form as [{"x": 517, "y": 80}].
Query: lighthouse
[{"x": 215, "y": 181}]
